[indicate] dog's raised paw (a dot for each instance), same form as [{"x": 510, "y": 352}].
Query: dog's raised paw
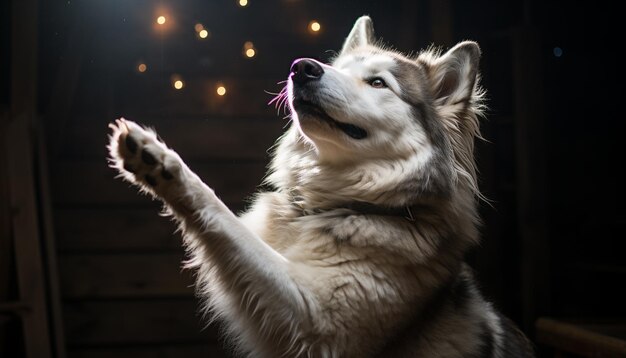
[{"x": 140, "y": 157}]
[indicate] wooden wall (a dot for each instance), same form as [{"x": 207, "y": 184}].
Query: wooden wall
[
  {"x": 120, "y": 263},
  {"x": 123, "y": 290}
]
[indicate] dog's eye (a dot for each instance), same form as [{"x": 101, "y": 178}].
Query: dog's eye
[{"x": 377, "y": 82}]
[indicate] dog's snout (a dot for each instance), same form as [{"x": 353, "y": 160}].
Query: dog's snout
[{"x": 305, "y": 70}]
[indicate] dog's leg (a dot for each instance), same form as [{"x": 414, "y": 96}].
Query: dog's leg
[{"x": 250, "y": 269}]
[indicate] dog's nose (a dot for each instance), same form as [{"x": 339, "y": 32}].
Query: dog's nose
[{"x": 305, "y": 70}]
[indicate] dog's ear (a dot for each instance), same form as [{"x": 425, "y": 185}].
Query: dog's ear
[
  {"x": 362, "y": 34},
  {"x": 453, "y": 75}
]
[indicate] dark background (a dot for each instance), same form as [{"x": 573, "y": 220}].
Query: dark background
[{"x": 109, "y": 270}]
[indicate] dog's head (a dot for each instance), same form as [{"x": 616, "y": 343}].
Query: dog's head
[{"x": 373, "y": 104}]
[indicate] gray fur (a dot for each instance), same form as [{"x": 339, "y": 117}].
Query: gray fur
[{"x": 358, "y": 249}]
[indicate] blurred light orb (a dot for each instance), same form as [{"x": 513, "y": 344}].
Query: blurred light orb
[
  {"x": 557, "y": 51},
  {"x": 198, "y": 27},
  {"x": 178, "y": 84},
  {"x": 221, "y": 90},
  {"x": 243, "y": 3},
  {"x": 203, "y": 34},
  {"x": 248, "y": 49},
  {"x": 161, "y": 20},
  {"x": 315, "y": 26},
  {"x": 142, "y": 67}
]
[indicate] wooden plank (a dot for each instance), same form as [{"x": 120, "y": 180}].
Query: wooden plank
[
  {"x": 57, "y": 115},
  {"x": 530, "y": 181},
  {"x": 193, "y": 139},
  {"x": 86, "y": 183},
  {"x": 117, "y": 229},
  {"x": 135, "y": 322},
  {"x": 25, "y": 228},
  {"x": 49, "y": 249},
  {"x": 6, "y": 242},
  {"x": 24, "y": 57},
  {"x": 6, "y": 245},
  {"x": 212, "y": 350},
  {"x": 155, "y": 97},
  {"x": 576, "y": 338},
  {"x": 14, "y": 307},
  {"x": 146, "y": 275}
]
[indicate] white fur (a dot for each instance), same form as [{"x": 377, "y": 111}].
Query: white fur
[{"x": 300, "y": 275}]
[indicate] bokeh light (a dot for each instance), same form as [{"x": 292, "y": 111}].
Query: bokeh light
[
  {"x": 203, "y": 34},
  {"x": 198, "y": 27},
  {"x": 221, "y": 90},
  {"x": 161, "y": 20},
  {"x": 248, "y": 49},
  {"x": 315, "y": 26},
  {"x": 243, "y": 3},
  {"x": 142, "y": 67},
  {"x": 179, "y": 84}
]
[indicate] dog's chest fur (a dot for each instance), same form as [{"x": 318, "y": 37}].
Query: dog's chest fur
[{"x": 363, "y": 269}]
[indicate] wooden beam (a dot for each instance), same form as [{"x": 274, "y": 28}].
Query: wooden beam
[
  {"x": 25, "y": 228},
  {"x": 23, "y": 198},
  {"x": 14, "y": 307},
  {"x": 81, "y": 184},
  {"x": 57, "y": 116},
  {"x": 49, "y": 246},
  {"x": 128, "y": 322},
  {"x": 531, "y": 173},
  {"x": 584, "y": 340},
  {"x": 123, "y": 276},
  {"x": 24, "y": 57}
]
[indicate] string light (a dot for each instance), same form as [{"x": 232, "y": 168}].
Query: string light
[
  {"x": 177, "y": 82},
  {"x": 315, "y": 26},
  {"x": 201, "y": 31},
  {"x": 248, "y": 49},
  {"x": 161, "y": 20},
  {"x": 221, "y": 90},
  {"x": 243, "y": 3},
  {"x": 142, "y": 67}
]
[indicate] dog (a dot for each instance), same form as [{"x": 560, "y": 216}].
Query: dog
[{"x": 357, "y": 247}]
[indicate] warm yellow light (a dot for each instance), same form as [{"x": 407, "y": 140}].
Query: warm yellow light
[
  {"x": 315, "y": 26},
  {"x": 161, "y": 20},
  {"x": 250, "y": 52},
  {"x": 221, "y": 90},
  {"x": 243, "y": 3},
  {"x": 178, "y": 84},
  {"x": 203, "y": 34},
  {"x": 199, "y": 27},
  {"x": 142, "y": 67}
]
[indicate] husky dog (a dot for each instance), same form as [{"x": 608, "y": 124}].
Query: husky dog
[{"x": 358, "y": 250}]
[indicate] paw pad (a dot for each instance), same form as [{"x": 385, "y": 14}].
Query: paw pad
[
  {"x": 141, "y": 157},
  {"x": 148, "y": 158}
]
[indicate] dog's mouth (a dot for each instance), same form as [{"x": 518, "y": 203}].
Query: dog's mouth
[{"x": 309, "y": 108}]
